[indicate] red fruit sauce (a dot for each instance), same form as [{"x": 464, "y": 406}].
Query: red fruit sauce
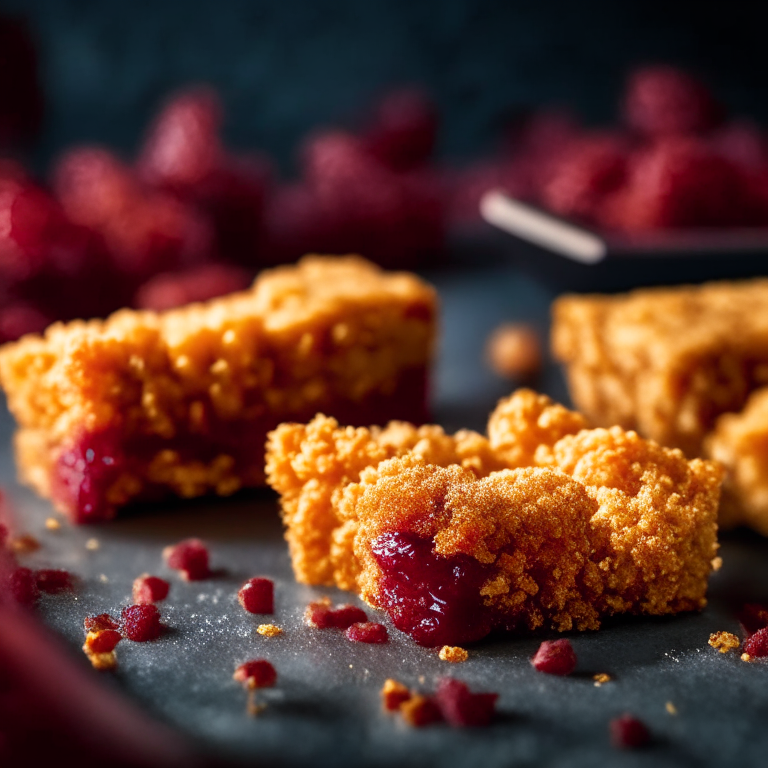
[
  {"x": 627, "y": 732},
  {"x": 460, "y": 707},
  {"x": 555, "y": 657},
  {"x": 190, "y": 557},
  {"x": 257, "y": 596},
  {"x": 757, "y": 645},
  {"x": 22, "y": 585},
  {"x": 257, "y": 673},
  {"x": 149, "y": 589},
  {"x": 367, "y": 632},
  {"x": 434, "y": 599},
  {"x": 321, "y": 616},
  {"x": 103, "y": 640},
  {"x": 141, "y": 623},
  {"x": 753, "y": 616}
]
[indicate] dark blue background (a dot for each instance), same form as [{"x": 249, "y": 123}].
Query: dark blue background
[{"x": 286, "y": 66}]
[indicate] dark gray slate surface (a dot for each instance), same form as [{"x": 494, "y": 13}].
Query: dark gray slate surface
[{"x": 325, "y": 710}]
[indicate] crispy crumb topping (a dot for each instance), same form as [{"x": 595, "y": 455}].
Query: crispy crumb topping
[
  {"x": 269, "y": 630},
  {"x": 724, "y": 641},
  {"x": 453, "y": 654}
]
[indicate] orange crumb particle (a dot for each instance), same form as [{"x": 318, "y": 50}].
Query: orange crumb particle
[
  {"x": 419, "y": 711},
  {"x": 269, "y": 630},
  {"x": 453, "y": 653},
  {"x": 92, "y": 544},
  {"x": 724, "y": 641},
  {"x": 254, "y": 707},
  {"x": 717, "y": 563},
  {"x": 671, "y": 708},
  {"x": 52, "y": 524},
  {"x": 393, "y": 695},
  {"x": 103, "y": 661},
  {"x": 25, "y": 544},
  {"x": 746, "y": 657},
  {"x": 600, "y": 678},
  {"x": 513, "y": 350}
]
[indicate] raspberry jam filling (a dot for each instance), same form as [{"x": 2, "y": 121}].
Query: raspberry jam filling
[{"x": 434, "y": 599}]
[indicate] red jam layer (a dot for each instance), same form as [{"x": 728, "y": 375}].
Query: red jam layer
[{"x": 434, "y": 599}]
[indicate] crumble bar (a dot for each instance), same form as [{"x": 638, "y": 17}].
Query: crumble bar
[
  {"x": 144, "y": 403},
  {"x": 543, "y": 523}
]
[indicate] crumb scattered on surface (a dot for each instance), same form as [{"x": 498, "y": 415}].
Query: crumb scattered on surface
[
  {"x": 269, "y": 630},
  {"x": 393, "y": 694},
  {"x": 671, "y": 708},
  {"x": 746, "y": 657},
  {"x": 24, "y": 544},
  {"x": 92, "y": 544},
  {"x": 717, "y": 563},
  {"x": 52, "y": 524},
  {"x": 724, "y": 641},
  {"x": 102, "y": 661},
  {"x": 103, "y": 578},
  {"x": 600, "y": 678},
  {"x": 513, "y": 350},
  {"x": 420, "y": 710},
  {"x": 453, "y": 653}
]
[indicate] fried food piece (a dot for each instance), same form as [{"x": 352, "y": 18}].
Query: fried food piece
[
  {"x": 543, "y": 524},
  {"x": 740, "y": 443},
  {"x": 144, "y": 403},
  {"x": 664, "y": 361}
]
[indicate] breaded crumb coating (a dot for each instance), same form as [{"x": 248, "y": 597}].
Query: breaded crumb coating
[
  {"x": 143, "y": 403},
  {"x": 566, "y": 525}
]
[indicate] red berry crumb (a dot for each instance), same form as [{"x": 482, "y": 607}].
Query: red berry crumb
[
  {"x": 753, "y": 616},
  {"x": 367, "y": 632},
  {"x": 149, "y": 589},
  {"x": 53, "y": 580},
  {"x": 23, "y": 586},
  {"x": 460, "y": 707},
  {"x": 257, "y": 596},
  {"x": 555, "y": 657},
  {"x": 102, "y": 640},
  {"x": 101, "y": 622},
  {"x": 419, "y": 711},
  {"x": 756, "y": 646},
  {"x": 321, "y": 616},
  {"x": 190, "y": 557},
  {"x": 141, "y": 623},
  {"x": 4, "y": 535},
  {"x": 627, "y": 732},
  {"x": 258, "y": 673}
]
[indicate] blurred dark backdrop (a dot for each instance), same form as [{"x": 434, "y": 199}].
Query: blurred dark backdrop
[{"x": 285, "y": 67}]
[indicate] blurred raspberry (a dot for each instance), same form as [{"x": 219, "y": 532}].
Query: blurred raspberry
[
  {"x": 174, "y": 289},
  {"x": 393, "y": 219},
  {"x": 555, "y": 657},
  {"x": 590, "y": 168},
  {"x": 664, "y": 101},
  {"x": 183, "y": 153},
  {"x": 21, "y": 100},
  {"x": 145, "y": 231},
  {"x": 462, "y": 708},
  {"x": 682, "y": 182},
  {"x": 743, "y": 143},
  {"x": 19, "y": 318},
  {"x": 403, "y": 129}
]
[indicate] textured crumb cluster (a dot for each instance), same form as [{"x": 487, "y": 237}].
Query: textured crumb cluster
[
  {"x": 147, "y": 403},
  {"x": 566, "y": 524},
  {"x": 684, "y": 366}
]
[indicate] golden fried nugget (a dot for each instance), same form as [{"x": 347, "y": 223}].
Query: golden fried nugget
[
  {"x": 543, "y": 524},
  {"x": 664, "y": 361},
  {"x": 146, "y": 403}
]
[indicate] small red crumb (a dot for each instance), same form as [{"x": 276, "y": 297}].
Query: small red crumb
[
  {"x": 100, "y": 622},
  {"x": 555, "y": 657},
  {"x": 628, "y": 732},
  {"x": 756, "y": 646},
  {"x": 258, "y": 673},
  {"x": 460, "y": 707},
  {"x": 724, "y": 641},
  {"x": 4, "y": 534},
  {"x": 257, "y": 596},
  {"x": 22, "y": 585},
  {"x": 24, "y": 544},
  {"x": 321, "y": 616},
  {"x": 753, "y": 616},
  {"x": 102, "y": 641},
  {"x": 141, "y": 623},
  {"x": 367, "y": 632},
  {"x": 190, "y": 557},
  {"x": 53, "y": 580},
  {"x": 420, "y": 710},
  {"x": 393, "y": 694},
  {"x": 149, "y": 589}
]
